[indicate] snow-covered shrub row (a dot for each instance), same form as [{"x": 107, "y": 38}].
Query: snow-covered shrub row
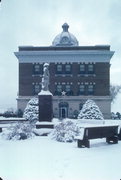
[
  {"x": 115, "y": 115},
  {"x": 90, "y": 111},
  {"x": 65, "y": 131},
  {"x": 19, "y": 131},
  {"x": 32, "y": 110}
]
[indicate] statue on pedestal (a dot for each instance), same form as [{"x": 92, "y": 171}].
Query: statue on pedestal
[
  {"x": 45, "y": 78},
  {"x": 45, "y": 98}
]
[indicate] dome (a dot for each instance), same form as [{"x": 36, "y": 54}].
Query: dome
[{"x": 65, "y": 38}]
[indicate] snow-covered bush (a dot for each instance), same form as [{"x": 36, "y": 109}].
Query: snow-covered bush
[
  {"x": 32, "y": 110},
  {"x": 90, "y": 111},
  {"x": 18, "y": 131},
  {"x": 65, "y": 131}
]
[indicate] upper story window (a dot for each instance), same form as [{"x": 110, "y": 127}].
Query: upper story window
[
  {"x": 37, "y": 89},
  {"x": 59, "y": 68},
  {"x": 82, "y": 68},
  {"x": 68, "y": 90},
  {"x": 90, "y": 89},
  {"x": 59, "y": 88},
  {"x": 38, "y": 69},
  {"x": 68, "y": 68},
  {"x": 81, "y": 89},
  {"x": 58, "y": 91},
  {"x": 90, "y": 68}
]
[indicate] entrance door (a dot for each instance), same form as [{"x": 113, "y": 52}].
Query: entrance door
[{"x": 63, "y": 110}]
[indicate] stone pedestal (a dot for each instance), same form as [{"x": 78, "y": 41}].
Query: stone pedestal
[{"x": 45, "y": 107}]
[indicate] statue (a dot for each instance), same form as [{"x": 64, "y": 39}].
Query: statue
[{"x": 45, "y": 78}]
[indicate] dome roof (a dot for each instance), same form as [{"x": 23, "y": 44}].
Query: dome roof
[{"x": 65, "y": 38}]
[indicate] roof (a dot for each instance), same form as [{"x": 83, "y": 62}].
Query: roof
[
  {"x": 56, "y": 48},
  {"x": 65, "y": 38}
]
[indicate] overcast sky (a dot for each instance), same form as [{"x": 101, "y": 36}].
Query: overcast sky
[{"x": 37, "y": 22}]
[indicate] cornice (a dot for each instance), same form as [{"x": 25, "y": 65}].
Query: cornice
[{"x": 62, "y": 56}]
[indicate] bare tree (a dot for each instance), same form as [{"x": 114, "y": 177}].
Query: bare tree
[{"x": 114, "y": 91}]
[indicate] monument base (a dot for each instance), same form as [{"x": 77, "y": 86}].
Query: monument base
[
  {"x": 44, "y": 128},
  {"x": 40, "y": 125},
  {"x": 45, "y": 106}
]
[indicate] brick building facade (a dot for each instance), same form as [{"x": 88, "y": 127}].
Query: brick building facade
[{"x": 77, "y": 73}]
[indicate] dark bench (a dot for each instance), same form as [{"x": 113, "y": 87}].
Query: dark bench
[
  {"x": 0, "y": 129},
  {"x": 2, "y": 126},
  {"x": 119, "y": 135},
  {"x": 110, "y": 132}
]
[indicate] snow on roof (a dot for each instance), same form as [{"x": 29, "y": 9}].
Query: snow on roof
[
  {"x": 44, "y": 123},
  {"x": 12, "y": 119},
  {"x": 97, "y": 125},
  {"x": 65, "y": 38}
]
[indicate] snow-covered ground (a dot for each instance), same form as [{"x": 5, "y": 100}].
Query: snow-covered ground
[{"x": 41, "y": 158}]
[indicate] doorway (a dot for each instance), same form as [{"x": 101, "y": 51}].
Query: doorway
[{"x": 63, "y": 110}]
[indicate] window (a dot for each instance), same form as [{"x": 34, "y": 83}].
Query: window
[
  {"x": 68, "y": 68},
  {"x": 82, "y": 68},
  {"x": 90, "y": 68},
  {"x": 90, "y": 89},
  {"x": 36, "y": 89},
  {"x": 59, "y": 88},
  {"x": 81, "y": 89},
  {"x": 36, "y": 68},
  {"x": 59, "y": 69},
  {"x": 68, "y": 90},
  {"x": 58, "y": 91}
]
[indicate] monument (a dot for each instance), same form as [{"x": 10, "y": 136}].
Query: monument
[{"x": 45, "y": 98}]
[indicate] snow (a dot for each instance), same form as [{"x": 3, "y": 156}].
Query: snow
[
  {"x": 44, "y": 123},
  {"x": 32, "y": 110},
  {"x": 90, "y": 111},
  {"x": 93, "y": 121},
  {"x": 45, "y": 93},
  {"x": 81, "y": 134},
  {"x": 42, "y": 131},
  {"x": 96, "y": 125},
  {"x": 12, "y": 119},
  {"x": 65, "y": 131},
  {"x": 43, "y": 159},
  {"x": 4, "y": 125}
]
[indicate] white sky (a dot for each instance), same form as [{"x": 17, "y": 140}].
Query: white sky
[{"x": 37, "y": 22}]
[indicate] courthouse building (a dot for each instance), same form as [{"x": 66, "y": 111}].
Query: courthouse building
[{"x": 77, "y": 73}]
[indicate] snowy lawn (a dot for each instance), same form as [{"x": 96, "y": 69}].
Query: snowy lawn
[{"x": 41, "y": 158}]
